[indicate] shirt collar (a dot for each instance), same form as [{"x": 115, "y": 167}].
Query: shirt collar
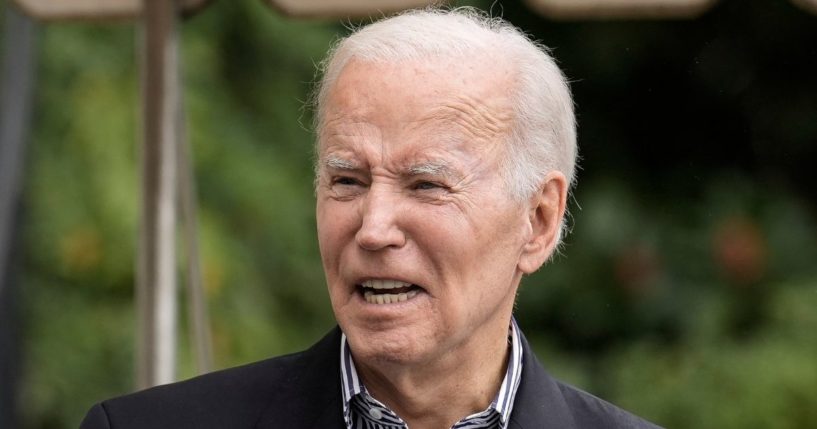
[{"x": 351, "y": 385}]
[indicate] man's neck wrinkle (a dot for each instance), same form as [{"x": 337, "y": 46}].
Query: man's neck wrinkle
[{"x": 437, "y": 396}]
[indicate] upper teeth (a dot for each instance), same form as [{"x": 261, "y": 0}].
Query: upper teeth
[{"x": 384, "y": 284}]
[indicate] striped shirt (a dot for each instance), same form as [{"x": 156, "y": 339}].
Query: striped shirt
[{"x": 362, "y": 411}]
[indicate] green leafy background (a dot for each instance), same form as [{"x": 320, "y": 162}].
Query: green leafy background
[{"x": 686, "y": 292}]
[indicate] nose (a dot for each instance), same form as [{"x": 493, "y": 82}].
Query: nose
[{"x": 380, "y": 221}]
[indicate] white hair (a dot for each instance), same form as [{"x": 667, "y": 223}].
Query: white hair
[{"x": 543, "y": 136}]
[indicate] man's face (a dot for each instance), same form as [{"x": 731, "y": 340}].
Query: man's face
[{"x": 419, "y": 238}]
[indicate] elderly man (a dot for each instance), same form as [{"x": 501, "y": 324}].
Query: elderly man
[{"x": 445, "y": 153}]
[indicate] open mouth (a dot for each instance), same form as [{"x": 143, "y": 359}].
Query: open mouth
[{"x": 387, "y": 291}]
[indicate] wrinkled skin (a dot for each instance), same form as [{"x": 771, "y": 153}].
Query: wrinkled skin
[{"x": 409, "y": 189}]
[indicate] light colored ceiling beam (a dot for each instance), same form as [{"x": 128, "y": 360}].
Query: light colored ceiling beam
[
  {"x": 344, "y": 8},
  {"x": 60, "y": 10},
  {"x": 620, "y": 9}
]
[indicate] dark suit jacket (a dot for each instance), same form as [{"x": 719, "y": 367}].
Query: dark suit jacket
[{"x": 303, "y": 390}]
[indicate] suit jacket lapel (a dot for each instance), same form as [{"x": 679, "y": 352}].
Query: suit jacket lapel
[
  {"x": 539, "y": 402},
  {"x": 312, "y": 399}
]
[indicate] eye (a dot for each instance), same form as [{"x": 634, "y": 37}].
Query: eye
[
  {"x": 426, "y": 186},
  {"x": 344, "y": 187},
  {"x": 345, "y": 181}
]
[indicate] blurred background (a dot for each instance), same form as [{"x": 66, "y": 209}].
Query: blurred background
[{"x": 686, "y": 292}]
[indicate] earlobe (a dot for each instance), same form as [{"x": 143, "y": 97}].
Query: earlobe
[{"x": 547, "y": 208}]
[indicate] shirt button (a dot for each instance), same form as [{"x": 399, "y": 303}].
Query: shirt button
[{"x": 375, "y": 413}]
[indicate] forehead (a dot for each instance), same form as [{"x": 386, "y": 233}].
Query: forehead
[{"x": 449, "y": 99}]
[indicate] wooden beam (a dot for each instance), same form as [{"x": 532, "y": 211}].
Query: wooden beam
[
  {"x": 344, "y": 8},
  {"x": 78, "y": 10},
  {"x": 156, "y": 271},
  {"x": 197, "y": 312},
  {"x": 620, "y": 9}
]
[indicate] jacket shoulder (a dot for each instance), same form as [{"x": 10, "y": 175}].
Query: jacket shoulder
[
  {"x": 589, "y": 411},
  {"x": 543, "y": 402},
  {"x": 235, "y": 398}
]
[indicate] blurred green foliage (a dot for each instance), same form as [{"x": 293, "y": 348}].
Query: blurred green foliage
[{"x": 687, "y": 291}]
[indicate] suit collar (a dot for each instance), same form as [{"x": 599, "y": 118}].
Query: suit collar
[
  {"x": 314, "y": 375},
  {"x": 539, "y": 401}
]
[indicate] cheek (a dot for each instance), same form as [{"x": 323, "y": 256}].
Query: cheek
[
  {"x": 497, "y": 243},
  {"x": 328, "y": 230},
  {"x": 336, "y": 226},
  {"x": 436, "y": 232}
]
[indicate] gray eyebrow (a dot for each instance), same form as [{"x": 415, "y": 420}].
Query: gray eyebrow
[
  {"x": 431, "y": 168},
  {"x": 339, "y": 163}
]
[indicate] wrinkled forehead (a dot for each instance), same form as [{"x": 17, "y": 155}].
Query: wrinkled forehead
[{"x": 474, "y": 93}]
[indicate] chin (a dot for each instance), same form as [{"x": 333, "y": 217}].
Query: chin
[{"x": 390, "y": 346}]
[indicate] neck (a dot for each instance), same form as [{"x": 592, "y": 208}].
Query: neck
[{"x": 440, "y": 392}]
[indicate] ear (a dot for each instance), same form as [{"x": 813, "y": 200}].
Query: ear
[{"x": 545, "y": 213}]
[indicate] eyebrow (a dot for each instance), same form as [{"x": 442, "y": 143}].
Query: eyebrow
[
  {"x": 340, "y": 163},
  {"x": 431, "y": 168}
]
